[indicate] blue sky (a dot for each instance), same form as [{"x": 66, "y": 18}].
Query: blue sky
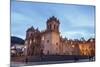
[{"x": 76, "y": 21}]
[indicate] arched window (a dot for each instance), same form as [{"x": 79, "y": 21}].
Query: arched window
[
  {"x": 43, "y": 38},
  {"x": 30, "y": 41},
  {"x": 54, "y": 26},
  {"x": 57, "y": 44}
]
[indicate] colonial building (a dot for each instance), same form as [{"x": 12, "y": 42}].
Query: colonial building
[
  {"x": 49, "y": 41},
  {"x": 32, "y": 41},
  {"x": 88, "y": 47},
  {"x": 46, "y": 42}
]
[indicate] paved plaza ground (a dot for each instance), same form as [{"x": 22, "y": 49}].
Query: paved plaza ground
[{"x": 38, "y": 60}]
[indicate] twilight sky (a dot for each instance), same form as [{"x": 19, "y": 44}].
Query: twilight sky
[{"x": 76, "y": 21}]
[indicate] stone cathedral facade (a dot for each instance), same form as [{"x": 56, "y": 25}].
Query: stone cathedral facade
[{"x": 49, "y": 41}]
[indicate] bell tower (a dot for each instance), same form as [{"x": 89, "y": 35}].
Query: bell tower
[
  {"x": 32, "y": 41},
  {"x": 53, "y": 24},
  {"x": 52, "y": 37}
]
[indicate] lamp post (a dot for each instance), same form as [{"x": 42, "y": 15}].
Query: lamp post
[{"x": 26, "y": 53}]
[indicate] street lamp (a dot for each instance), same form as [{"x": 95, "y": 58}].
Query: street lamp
[{"x": 26, "y": 52}]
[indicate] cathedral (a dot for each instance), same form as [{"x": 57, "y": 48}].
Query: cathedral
[{"x": 49, "y": 41}]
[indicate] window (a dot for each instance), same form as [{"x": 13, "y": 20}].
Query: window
[
  {"x": 30, "y": 41},
  {"x": 56, "y": 43},
  {"x": 54, "y": 26},
  {"x": 43, "y": 38},
  {"x": 47, "y": 41}
]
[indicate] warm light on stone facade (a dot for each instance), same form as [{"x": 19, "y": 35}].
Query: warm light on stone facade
[{"x": 49, "y": 42}]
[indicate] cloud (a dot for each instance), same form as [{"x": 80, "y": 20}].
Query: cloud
[
  {"x": 75, "y": 20},
  {"x": 77, "y": 35}
]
